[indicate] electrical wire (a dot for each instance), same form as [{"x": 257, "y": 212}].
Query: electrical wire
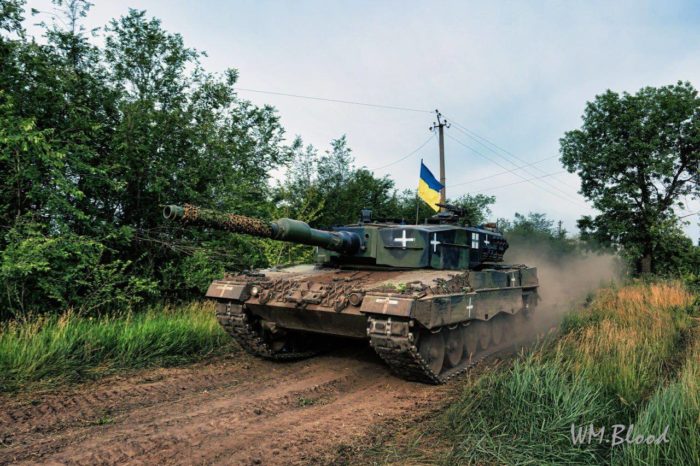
[
  {"x": 491, "y": 145},
  {"x": 500, "y": 173},
  {"x": 405, "y": 156},
  {"x": 519, "y": 182},
  {"x": 528, "y": 172},
  {"x": 463, "y": 129},
  {"x": 323, "y": 99},
  {"x": 513, "y": 171}
]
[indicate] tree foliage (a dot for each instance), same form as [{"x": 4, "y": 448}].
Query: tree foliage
[
  {"x": 638, "y": 157},
  {"x": 93, "y": 140}
]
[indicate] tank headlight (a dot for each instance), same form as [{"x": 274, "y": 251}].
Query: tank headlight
[
  {"x": 356, "y": 299},
  {"x": 255, "y": 291}
]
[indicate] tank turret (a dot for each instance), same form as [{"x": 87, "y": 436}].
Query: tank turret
[{"x": 441, "y": 244}]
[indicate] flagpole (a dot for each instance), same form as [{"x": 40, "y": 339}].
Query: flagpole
[
  {"x": 417, "y": 201},
  {"x": 417, "y": 206}
]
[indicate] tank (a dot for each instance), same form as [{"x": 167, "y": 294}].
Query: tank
[{"x": 432, "y": 298}]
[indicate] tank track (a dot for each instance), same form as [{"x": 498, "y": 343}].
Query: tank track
[
  {"x": 236, "y": 322},
  {"x": 403, "y": 358}
]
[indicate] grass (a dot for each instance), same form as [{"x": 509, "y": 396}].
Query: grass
[
  {"x": 677, "y": 406},
  {"x": 46, "y": 351},
  {"x": 626, "y": 337},
  {"x": 632, "y": 356},
  {"x": 303, "y": 402},
  {"x": 481, "y": 430}
]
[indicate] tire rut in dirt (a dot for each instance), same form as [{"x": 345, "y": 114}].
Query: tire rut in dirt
[{"x": 272, "y": 389}]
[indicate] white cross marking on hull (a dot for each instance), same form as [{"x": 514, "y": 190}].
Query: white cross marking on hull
[
  {"x": 403, "y": 240},
  {"x": 470, "y": 307},
  {"x": 486, "y": 241},
  {"x": 224, "y": 288},
  {"x": 435, "y": 242}
]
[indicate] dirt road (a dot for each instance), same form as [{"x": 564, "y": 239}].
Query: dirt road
[{"x": 238, "y": 410}]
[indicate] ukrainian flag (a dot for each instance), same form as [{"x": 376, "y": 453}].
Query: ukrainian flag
[{"x": 428, "y": 187}]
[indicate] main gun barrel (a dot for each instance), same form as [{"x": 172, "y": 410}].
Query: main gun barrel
[{"x": 284, "y": 229}]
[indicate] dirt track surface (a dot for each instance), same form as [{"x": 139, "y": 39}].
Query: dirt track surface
[{"x": 239, "y": 410}]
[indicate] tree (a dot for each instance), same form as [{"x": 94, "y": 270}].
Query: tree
[
  {"x": 11, "y": 15},
  {"x": 477, "y": 207},
  {"x": 535, "y": 232},
  {"x": 638, "y": 157},
  {"x": 95, "y": 139},
  {"x": 343, "y": 189},
  {"x": 32, "y": 182}
]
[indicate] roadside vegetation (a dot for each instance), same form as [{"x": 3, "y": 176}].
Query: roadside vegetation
[
  {"x": 46, "y": 351},
  {"x": 631, "y": 356}
]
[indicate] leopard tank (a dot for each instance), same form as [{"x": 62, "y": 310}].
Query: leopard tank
[{"x": 431, "y": 298}]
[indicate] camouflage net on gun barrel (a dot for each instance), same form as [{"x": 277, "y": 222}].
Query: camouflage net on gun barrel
[{"x": 231, "y": 222}]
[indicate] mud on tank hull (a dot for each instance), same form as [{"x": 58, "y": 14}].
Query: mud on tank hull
[{"x": 428, "y": 325}]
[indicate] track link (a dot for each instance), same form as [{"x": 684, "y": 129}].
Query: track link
[
  {"x": 235, "y": 320},
  {"x": 397, "y": 348}
]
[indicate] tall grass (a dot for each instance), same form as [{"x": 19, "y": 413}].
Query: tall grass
[
  {"x": 678, "y": 407},
  {"x": 523, "y": 416},
  {"x": 612, "y": 357},
  {"x": 70, "y": 348},
  {"x": 626, "y": 337}
]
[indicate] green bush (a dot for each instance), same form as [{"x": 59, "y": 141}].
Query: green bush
[{"x": 41, "y": 273}]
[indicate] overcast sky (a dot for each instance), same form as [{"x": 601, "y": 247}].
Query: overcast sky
[{"x": 515, "y": 73}]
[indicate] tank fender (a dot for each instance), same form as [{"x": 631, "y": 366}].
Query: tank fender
[
  {"x": 388, "y": 305},
  {"x": 222, "y": 289}
]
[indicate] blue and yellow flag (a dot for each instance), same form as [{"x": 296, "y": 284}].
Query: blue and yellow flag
[{"x": 428, "y": 187}]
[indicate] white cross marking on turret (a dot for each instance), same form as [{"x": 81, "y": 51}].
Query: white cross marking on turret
[
  {"x": 470, "y": 307},
  {"x": 435, "y": 242},
  {"x": 486, "y": 241},
  {"x": 403, "y": 240}
]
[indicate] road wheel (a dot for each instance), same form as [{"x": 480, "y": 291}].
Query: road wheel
[
  {"x": 484, "y": 331},
  {"x": 509, "y": 331},
  {"x": 277, "y": 338},
  {"x": 454, "y": 346},
  {"x": 431, "y": 347},
  {"x": 470, "y": 337},
  {"x": 497, "y": 328}
]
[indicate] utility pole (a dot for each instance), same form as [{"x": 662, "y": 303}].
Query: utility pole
[{"x": 440, "y": 126}]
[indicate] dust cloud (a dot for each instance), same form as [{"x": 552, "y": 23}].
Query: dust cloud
[{"x": 565, "y": 279}]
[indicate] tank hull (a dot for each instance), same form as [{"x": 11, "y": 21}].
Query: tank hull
[{"x": 290, "y": 313}]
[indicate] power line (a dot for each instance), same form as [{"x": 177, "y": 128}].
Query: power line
[
  {"x": 520, "y": 182},
  {"x": 513, "y": 171},
  {"x": 460, "y": 127},
  {"x": 472, "y": 135},
  {"x": 405, "y": 156},
  {"x": 323, "y": 99},
  {"x": 491, "y": 145},
  {"x": 564, "y": 193},
  {"x": 501, "y": 173}
]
